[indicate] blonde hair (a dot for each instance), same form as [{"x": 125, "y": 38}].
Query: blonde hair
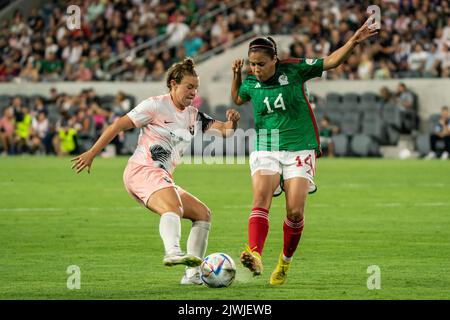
[{"x": 178, "y": 70}]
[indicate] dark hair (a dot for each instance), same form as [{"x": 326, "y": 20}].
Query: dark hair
[
  {"x": 178, "y": 70},
  {"x": 265, "y": 45}
]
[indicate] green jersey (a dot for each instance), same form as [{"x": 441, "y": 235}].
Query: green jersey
[{"x": 284, "y": 119}]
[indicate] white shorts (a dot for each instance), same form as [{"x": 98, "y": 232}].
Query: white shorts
[{"x": 290, "y": 164}]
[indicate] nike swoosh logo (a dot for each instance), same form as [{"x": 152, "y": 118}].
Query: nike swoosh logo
[{"x": 165, "y": 121}]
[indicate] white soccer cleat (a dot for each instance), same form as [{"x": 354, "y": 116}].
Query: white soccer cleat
[
  {"x": 182, "y": 258},
  {"x": 194, "y": 279},
  {"x": 430, "y": 155}
]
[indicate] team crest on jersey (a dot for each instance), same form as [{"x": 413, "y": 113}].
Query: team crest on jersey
[
  {"x": 310, "y": 61},
  {"x": 283, "y": 80},
  {"x": 258, "y": 85}
]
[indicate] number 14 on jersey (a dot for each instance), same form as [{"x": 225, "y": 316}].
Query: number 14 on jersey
[{"x": 279, "y": 103}]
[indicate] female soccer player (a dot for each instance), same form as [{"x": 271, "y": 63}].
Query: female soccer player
[
  {"x": 287, "y": 141},
  {"x": 168, "y": 123}
]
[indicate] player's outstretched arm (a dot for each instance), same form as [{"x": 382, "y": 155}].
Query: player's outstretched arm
[
  {"x": 84, "y": 160},
  {"x": 227, "y": 128},
  {"x": 237, "y": 81},
  {"x": 340, "y": 55}
]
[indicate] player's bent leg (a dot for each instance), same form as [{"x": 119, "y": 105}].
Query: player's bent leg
[
  {"x": 167, "y": 203},
  {"x": 197, "y": 242}
]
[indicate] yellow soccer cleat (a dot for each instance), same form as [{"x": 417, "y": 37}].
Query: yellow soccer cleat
[
  {"x": 252, "y": 260},
  {"x": 279, "y": 275}
]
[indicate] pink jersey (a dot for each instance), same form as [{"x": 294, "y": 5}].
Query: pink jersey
[{"x": 166, "y": 131}]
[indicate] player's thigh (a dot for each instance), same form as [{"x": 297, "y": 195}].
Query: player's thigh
[
  {"x": 298, "y": 173},
  {"x": 193, "y": 208},
  {"x": 165, "y": 200},
  {"x": 296, "y": 193},
  {"x": 265, "y": 183},
  {"x": 265, "y": 170},
  {"x": 299, "y": 164}
]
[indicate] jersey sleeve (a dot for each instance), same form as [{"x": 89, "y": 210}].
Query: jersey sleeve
[
  {"x": 243, "y": 91},
  {"x": 143, "y": 113},
  {"x": 310, "y": 68},
  {"x": 204, "y": 121}
]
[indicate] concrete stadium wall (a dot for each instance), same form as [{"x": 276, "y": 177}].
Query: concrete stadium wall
[{"x": 432, "y": 93}]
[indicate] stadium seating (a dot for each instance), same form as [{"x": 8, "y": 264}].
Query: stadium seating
[{"x": 341, "y": 144}]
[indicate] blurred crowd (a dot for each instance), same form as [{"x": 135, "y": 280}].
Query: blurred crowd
[
  {"x": 414, "y": 40},
  {"x": 60, "y": 124}
]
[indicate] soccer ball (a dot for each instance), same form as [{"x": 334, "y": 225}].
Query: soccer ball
[{"x": 218, "y": 270}]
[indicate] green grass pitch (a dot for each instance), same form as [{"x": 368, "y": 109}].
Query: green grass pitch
[{"x": 392, "y": 214}]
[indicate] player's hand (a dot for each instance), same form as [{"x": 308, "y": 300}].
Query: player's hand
[
  {"x": 366, "y": 31},
  {"x": 233, "y": 115},
  {"x": 83, "y": 161},
  {"x": 237, "y": 65}
]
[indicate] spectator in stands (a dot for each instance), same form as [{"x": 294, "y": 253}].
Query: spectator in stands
[
  {"x": 441, "y": 133},
  {"x": 29, "y": 73},
  {"x": 38, "y": 106},
  {"x": 177, "y": 30},
  {"x": 237, "y": 28},
  {"x": 326, "y": 131},
  {"x": 50, "y": 68},
  {"x": 158, "y": 71},
  {"x": 444, "y": 58},
  {"x": 406, "y": 103},
  {"x": 386, "y": 97},
  {"x": 417, "y": 60},
  {"x": 121, "y": 104},
  {"x": 22, "y": 130},
  {"x": 82, "y": 73},
  {"x": 39, "y": 130},
  {"x": 192, "y": 44},
  {"x": 139, "y": 73},
  {"x": 365, "y": 67},
  {"x": 65, "y": 141},
  {"x": 7, "y": 130},
  {"x": 53, "y": 96},
  {"x": 82, "y": 122},
  {"x": 382, "y": 71},
  {"x": 432, "y": 63},
  {"x": 112, "y": 27}
]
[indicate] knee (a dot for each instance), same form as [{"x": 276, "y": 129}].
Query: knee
[
  {"x": 179, "y": 210},
  {"x": 262, "y": 201},
  {"x": 206, "y": 216},
  {"x": 295, "y": 214},
  {"x": 163, "y": 208}
]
